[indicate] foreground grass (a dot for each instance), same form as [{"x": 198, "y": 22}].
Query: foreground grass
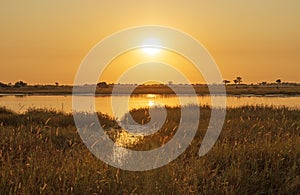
[{"x": 258, "y": 152}]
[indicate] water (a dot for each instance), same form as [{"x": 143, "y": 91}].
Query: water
[
  {"x": 103, "y": 103},
  {"x": 122, "y": 105}
]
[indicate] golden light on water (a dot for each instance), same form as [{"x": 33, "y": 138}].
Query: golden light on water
[
  {"x": 151, "y": 103},
  {"x": 151, "y": 96}
]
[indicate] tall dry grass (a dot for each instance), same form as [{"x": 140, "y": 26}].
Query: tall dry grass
[{"x": 258, "y": 152}]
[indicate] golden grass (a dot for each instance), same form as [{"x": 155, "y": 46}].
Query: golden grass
[{"x": 258, "y": 152}]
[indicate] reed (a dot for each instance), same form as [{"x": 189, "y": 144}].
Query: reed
[{"x": 258, "y": 151}]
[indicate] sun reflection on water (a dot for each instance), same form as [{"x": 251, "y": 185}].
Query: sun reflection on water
[
  {"x": 151, "y": 103},
  {"x": 151, "y": 96}
]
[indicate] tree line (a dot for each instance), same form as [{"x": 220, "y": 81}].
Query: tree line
[{"x": 238, "y": 81}]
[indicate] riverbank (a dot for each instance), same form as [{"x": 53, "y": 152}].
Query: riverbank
[{"x": 262, "y": 90}]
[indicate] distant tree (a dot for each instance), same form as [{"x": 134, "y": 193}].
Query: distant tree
[
  {"x": 170, "y": 82},
  {"x": 239, "y": 80},
  {"x": 3, "y": 85},
  {"x": 102, "y": 85},
  {"x": 264, "y": 83},
  {"x": 20, "y": 84},
  {"x": 56, "y": 84},
  {"x": 235, "y": 82},
  {"x": 278, "y": 81},
  {"x": 225, "y": 82}
]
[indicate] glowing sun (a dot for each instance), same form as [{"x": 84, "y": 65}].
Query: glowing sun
[{"x": 151, "y": 50}]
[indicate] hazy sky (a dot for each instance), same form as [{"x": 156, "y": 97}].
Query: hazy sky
[{"x": 45, "y": 41}]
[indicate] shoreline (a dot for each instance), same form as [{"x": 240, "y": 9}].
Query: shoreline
[
  {"x": 144, "y": 94},
  {"x": 161, "y": 90}
]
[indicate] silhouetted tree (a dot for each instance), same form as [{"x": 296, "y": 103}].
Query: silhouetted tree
[
  {"x": 225, "y": 82},
  {"x": 3, "y": 85},
  {"x": 20, "y": 84},
  {"x": 102, "y": 84},
  {"x": 235, "y": 82},
  {"x": 278, "y": 81},
  {"x": 239, "y": 80},
  {"x": 56, "y": 84}
]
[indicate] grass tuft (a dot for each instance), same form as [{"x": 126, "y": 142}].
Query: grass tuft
[{"x": 257, "y": 152}]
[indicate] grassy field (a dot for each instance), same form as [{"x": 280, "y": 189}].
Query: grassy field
[
  {"x": 258, "y": 152},
  {"x": 157, "y": 89}
]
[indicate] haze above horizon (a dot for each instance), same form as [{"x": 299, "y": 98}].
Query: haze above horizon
[{"x": 44, "y": 42}]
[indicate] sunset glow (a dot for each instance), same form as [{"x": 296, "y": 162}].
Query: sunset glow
[
  {"x": 150, "y": 97},
  {"x": 45, "y": 43},
  {"x": 150, "y": 50}
]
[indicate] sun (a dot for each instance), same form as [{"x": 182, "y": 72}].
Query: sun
[{"x": 150, "y": 50}]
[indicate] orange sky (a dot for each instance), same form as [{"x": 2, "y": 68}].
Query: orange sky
[
  {"x": 45, "y": 41},
  {"x": 140, "y": 65}
]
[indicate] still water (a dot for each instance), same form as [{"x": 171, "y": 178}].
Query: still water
[{"x": 122, "y": 104}]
